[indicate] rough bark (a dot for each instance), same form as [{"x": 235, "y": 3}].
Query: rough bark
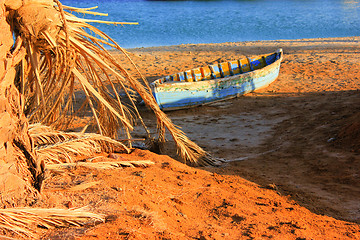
[{"x": 20, "y": 174}]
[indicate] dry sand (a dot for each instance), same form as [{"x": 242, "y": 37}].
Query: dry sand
[{"x": 294, "y": 148}]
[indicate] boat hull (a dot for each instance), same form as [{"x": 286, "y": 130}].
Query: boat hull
[{"x": 179, "y": 95}]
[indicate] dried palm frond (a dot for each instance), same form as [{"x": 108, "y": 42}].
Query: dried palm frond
[
  {"x": 63, "y": 56},
  {"x": 22, "y": 221},
  {"x": 53, "y": 146},
  {"x": 82, "y": 145},
  {"x": 101, "y": 165},
  {"x": 44, "y": 135}
]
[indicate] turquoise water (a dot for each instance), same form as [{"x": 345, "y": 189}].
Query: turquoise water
[{"x": 180, "y": 22}]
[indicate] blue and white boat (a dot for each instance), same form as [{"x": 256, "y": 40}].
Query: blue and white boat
[{"x": 216, "y": 82}]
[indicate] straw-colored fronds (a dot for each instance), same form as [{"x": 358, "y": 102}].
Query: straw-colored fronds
[
  {"x": 63, "y": 54},
  {"x": 52, "y": 146},
  {"x": 22, "y": 221},
  {"x": 101, "y": 165},
  {"x": 44, "y": 135}
]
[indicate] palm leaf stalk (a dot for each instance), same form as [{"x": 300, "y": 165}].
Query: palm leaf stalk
[{"x": 62, "y": 56}]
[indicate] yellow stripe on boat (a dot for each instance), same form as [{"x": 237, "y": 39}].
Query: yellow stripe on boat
[
  {"x": 224, "y": 69},
  {"x": 197, "y": 74},
  {"x": 188, "y": 76},
  {"x": 174, "y": 77},
  {"x": 234, "y": 67},
  {"x": 245, "y": 66},
  {"x": 258, "y": 63},
  {"x": 206, "y": 73},
  {"x": 215, "y": 71}
]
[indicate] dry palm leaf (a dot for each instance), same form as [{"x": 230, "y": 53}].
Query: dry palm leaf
[
  {"x": 21, "y": 221},
  {"x": 44, "y": 135},
  {"x": 53, "y": 146},
  {"x": 101, "y": 165},
  {"x": 62, "y": 55},
  {"x": 86, "y": 145}
]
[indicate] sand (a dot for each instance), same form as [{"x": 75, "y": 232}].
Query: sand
[{"x": 293, "y": 150}]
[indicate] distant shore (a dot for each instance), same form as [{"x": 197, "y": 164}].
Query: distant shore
[{"x": 289, "y": 44}]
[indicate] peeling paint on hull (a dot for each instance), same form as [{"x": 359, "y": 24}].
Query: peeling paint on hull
[{"x": 178, "y": 95}]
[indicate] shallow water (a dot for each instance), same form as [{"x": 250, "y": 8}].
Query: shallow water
[{"x": 164, "y": 23}]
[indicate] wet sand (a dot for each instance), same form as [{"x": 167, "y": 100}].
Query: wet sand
[{"x": 294, "y": 163}]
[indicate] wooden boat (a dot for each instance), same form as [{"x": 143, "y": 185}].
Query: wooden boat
[{"x": 216, "y": 82}]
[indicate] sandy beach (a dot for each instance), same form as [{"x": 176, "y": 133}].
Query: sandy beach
[{"x": 293, "y": 151}]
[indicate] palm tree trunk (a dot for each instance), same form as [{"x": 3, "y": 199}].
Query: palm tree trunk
[{"x": 20, "y": 173}]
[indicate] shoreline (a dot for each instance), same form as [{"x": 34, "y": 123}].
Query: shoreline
[{"x": 295, "y": 42}]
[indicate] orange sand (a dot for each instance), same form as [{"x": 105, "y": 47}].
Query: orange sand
[{"x": 296, "y": 142}]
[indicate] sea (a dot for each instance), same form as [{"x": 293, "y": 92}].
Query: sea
[{"x": 164, "y": 23}]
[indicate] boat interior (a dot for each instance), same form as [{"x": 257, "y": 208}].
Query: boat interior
[{"x": 222, "y": 70}]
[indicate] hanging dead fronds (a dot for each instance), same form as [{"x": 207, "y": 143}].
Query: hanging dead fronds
[
  {"x": 23, "y": 221},
  {"x": 62, "y": 56}
]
